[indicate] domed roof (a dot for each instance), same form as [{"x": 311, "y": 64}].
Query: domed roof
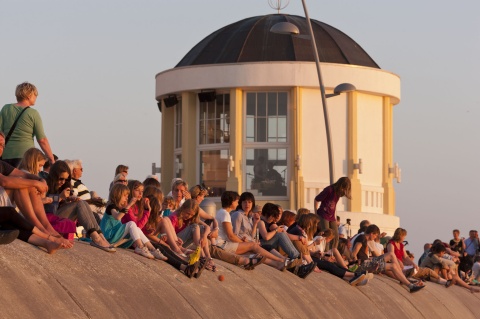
[{"x": 250, "y": 40}]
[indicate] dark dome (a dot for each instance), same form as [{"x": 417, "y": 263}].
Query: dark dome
[{"x": 250, "y": 40}]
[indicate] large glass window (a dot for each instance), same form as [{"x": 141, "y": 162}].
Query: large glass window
[
  {"x": 214, "y": 171},
  {"x": 215, "y": 120},
  {"x": 266, "y": 147},
  {"x": 214, "y": 139}
]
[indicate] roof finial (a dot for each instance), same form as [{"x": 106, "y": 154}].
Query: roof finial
[{"x": 278, "y": 4}]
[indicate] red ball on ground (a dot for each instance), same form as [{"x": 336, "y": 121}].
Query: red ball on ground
[{"x": 221, "y": 278}]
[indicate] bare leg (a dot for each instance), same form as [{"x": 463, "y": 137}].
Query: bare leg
[
  {"x": 272, "y": 260},
  {"x": 51, "y": 246},
  {"x": 166, "y": 227},
  {"x": 99, "y": 239},
  {"x": 21, "y": 198},
  {"x": 338, "y": 258}
]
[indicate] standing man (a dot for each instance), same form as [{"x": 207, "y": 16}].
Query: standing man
[{"x": 471, "y": 248}]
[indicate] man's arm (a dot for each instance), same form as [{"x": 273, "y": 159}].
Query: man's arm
[{"x": 16, "y": 180}]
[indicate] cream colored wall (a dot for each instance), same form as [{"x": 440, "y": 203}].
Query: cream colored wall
[
  {"x": 370, "y": 150},
  {"x": 315, "y": 168}
]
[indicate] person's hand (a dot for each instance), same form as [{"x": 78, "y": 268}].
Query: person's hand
[
  {"x": 163, "y": 237},
  {"x": 146, "y": 204},
  {"x": 65, "y": 193},
  {"x": 383, "y": 234},
  {"x": 280, "y": 229},
  {"x": 303, "y": 240},
  {"x": 47, "y": 200},
  {"x": 41, "y": 186},
  {"x": 213, "y": 234},
  {"x": 179, "y": 241},
  {"x": 256, "y": 218},
  {"x": 132, "y": 202},
  {"x": 186, "y": 194}
]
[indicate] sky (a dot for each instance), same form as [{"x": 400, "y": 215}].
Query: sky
[{"x": 94, "y": 63}]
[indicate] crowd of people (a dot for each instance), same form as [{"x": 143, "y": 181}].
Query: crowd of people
[{"x": 45, "y": 203}]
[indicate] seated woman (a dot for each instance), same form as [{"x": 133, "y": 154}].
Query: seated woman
[
  {"x": 304, "y": 231},
  {"x": 230, "y": 242},
  {"x": 198, "y": 194},
  {"x": 32, "y": 162},
  {"x": 435, "y": 259},
  {"x": 187, "y": 223},
  {"x": 379, "y": 263},
  {"x": 151, "y": 230},
  {"x": 129, "y": 233},
  {"x": 395, "y": 246},
  {"x": 273, "y": 236},
  {"x": 70, "y": 207},
  {"x": 10, "y": 219}
]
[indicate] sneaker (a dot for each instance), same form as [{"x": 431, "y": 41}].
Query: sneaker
[
  {"x": 414, "y": 288},
  {"x": 7, "y": 236},
  {"x": 144, "y": 252},
  {"x": 357, "y": 279},
  {"x": 304, "y": 270},
  {"x": 365, "y": 281},
  {"x": 158, "y": 255}
]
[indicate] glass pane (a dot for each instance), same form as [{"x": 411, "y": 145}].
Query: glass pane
[
  {"x": 251, "y": 103},
  {"x": 211, "y": 132},
  {"x": 178, "y": 166},
  {"x": 282, "y": 103},
  {"x": 261, "y": 104},
  {"x": 272, "y": 129},
  {"x": 265, "y": 174},
  {"x": 214, "y": 168},
  {"x": 202, "y": 133},
  {"x": 210, "y": 110},
  {"x": 282, "y": 129},
  {"x": 250, "y": 131},
  {"x": 261, "y": 132},
  {"x": 272, "y": 104}
]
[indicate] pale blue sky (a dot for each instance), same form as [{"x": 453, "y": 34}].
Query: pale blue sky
[{"x": 94, "y": 64}]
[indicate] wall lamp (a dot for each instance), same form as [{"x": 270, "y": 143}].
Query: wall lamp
[
  {"x": 342, "y": 88},
  {"x": 231, "y": 163},
  {"x": 396, "y": 171},
  {"x": 358, "y": 166}
]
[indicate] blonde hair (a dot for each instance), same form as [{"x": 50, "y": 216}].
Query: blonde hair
[
  {"x": 300, "y": 212},
  {"x": 30, "y": 160},
  {"x": 116, "y": 194},
  {"x": 309, "y": 222},
  {"x": 190, "y": 204},
  {"x": 328, "y": 233},
  {"x": 343, "y": 187},
  {"x": 169, "y": 201},
  {"x": 24, "y": 90}
]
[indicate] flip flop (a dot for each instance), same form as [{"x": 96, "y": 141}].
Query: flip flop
[
  {"x": 108, "y": 249},
  {"x": 251, "y": 265}
]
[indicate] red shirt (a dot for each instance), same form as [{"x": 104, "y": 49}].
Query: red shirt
[
  {"x": 328, "y": 203},
  {"x": 397, "y": 251}
]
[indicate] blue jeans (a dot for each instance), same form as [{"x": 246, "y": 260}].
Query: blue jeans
[{"x": 282, "y": 240}]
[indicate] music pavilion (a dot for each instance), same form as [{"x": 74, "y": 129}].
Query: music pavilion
[{"x": 242, "y": 111}]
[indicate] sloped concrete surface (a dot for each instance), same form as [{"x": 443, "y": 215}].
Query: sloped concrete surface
[{"x": 85, "y": 282}]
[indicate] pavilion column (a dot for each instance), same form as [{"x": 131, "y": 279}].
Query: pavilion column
[
  {"x": 234, "y": 181},
  {"x": 354, "y": 204},
  {"x": 388, "y": 191},
  {"x": 189, "y": 138}
]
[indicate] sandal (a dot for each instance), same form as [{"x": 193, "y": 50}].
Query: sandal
[
  {"x": 251, "y": 265},
  {"x": 209, "y": 265},
  {"x": 201, "y": 266},
  {"x": 190, "y": 270}
]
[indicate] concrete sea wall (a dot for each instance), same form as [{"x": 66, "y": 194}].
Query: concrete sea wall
[{"x": 85, "y": 282}]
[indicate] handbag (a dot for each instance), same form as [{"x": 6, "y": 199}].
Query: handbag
[{"x": 14, "y": 125}]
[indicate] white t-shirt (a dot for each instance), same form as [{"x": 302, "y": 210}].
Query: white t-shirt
[
  {"x": 222, "y": 217},
  {"x": 476, "y": 271}
]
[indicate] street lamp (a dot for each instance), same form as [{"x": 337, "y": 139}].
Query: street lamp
[{"x": 291, "y": 29}]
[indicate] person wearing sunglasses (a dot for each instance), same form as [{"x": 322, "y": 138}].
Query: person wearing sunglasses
[{"x": 71, "y": 207}]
